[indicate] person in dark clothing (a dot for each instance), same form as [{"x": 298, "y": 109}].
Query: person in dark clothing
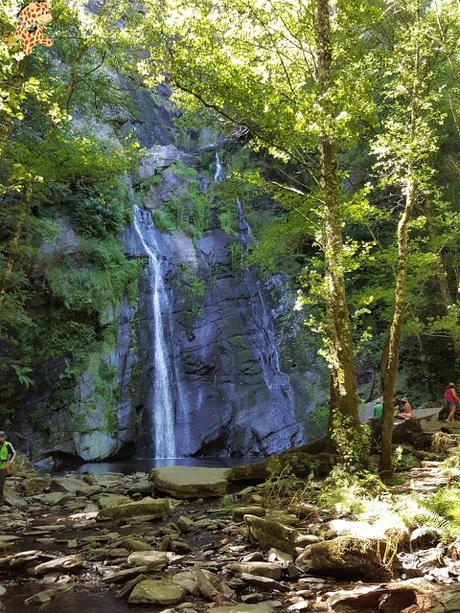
[{"x": 7, "y": 456}]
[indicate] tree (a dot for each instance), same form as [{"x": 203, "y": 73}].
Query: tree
[{"x": 404, "y": 151}]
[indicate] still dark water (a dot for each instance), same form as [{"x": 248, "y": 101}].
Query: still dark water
[{"x": 133, "y": 465}]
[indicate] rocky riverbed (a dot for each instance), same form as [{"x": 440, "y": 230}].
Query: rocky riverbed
[{"x": 194, "y": 539}]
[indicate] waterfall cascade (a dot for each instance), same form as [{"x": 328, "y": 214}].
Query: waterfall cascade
[{"x": 161, "y": 406}]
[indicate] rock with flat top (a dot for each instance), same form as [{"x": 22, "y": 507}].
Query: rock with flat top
[
  {"x": 151, "y": 508},
  {"x": 269, "y": 533},
  {"x": 190, "y": 481},
  {"x": 262, "y": 607},
  {"x": 112, "y": 500},
  {"x": 263, "y": 569},
  {"x": 157, "y": 592},
  {"x": 151, "y": 559}
]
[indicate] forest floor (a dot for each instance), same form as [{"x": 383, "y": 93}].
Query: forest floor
[{"x": 101, "y": 542}]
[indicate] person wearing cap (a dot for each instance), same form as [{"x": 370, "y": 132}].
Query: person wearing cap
[{"x": 451, "y": 400}]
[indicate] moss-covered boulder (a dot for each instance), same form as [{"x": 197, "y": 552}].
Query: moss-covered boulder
[
  {"x": 153, "y": 508},
  {"x": 190, "y": 481},
  {"x": 157, "y": 592},
  {"x": 251, "y": 473},
  {"x": 268, "y": 533},
  {"x": 349, "y": 557},
  {"x": 154, "y": 560}
]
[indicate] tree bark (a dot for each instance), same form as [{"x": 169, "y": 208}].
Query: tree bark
[
  {"x": 338, "y": 320},
  {"x": 390, "y": 371},
  {"x": 14, "y": 241}
]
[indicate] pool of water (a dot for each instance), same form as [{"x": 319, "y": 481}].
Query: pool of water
[{"x": 133, "y": 465}]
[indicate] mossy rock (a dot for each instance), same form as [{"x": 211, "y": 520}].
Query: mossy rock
[
  {"x": 349, "y": 557},
  {"x": 268, "y": 534},
  {"x": 158, "y": 508},
  {"x": 251, "y": 473},
  {"x": 160, "y": 592}
]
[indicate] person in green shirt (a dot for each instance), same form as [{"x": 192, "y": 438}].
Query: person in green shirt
[
  {"x": 378, "y": 409},
  {"x": 7, "y": 455}
]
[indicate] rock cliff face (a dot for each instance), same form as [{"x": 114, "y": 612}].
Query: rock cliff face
[{"x": 239, "y": 383}]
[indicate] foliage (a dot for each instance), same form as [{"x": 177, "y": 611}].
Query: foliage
[
  {"x": 189, "y": 285},
  {"x": 352, "y": 444}
]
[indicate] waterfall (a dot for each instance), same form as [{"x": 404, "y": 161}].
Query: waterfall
[
  {"x": 218, "y": 173},
  {"x": 160, "y": 405}
]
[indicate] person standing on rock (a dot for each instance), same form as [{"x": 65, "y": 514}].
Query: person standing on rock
[
  {"x": 7, "y": 456},
  {"x": 451, "y": 400}
]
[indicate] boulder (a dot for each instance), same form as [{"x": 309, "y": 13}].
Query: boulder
[
  {"x": 13, "y": 499},
  {"x": 153, "y": 508},
  {"x": 160, "y": 592},
  {"x": 185, "y": 524},
  {"x": 58, "y": 564},
  {"x": 190, "y": 481},
  {"x": 349, "y": 557},
  {"x": 254, "y": 473},
  {"x": 154, "y": 560},
  {"x": 268, "y": 534}
]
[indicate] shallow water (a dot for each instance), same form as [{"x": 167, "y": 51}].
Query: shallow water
[{"x": 146, "y": 464}]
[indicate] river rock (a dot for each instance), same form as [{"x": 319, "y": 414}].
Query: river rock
[
  {"x": 190, "y": 481},
  {"x": 122, "y": 576},
  {"x": 61, "y": 563},
  {"x": 264, "y": 582},
  {"x": 263, "y": 569},
  {"x": 153, "y": 508},
  {"x": 73, "y": 485},
  {"x": 262, "y": 607},
  {"x": 185, "y": 524},
  {"x": 13, "y": 499},
  {"x": 350, "y": 557},
  {"x": 35, "y": 485},
  {"x": 162, "y": 592},
  {"x": 151, "y": 559},
  {"x": 106, "y": 501},
  {"x": 240, "y": 512},
  {"x": 267, "y": 534},
  {"x": 133, "y": 544}
]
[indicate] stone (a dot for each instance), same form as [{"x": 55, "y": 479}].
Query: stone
[
  {"x": 350, "y": 557},
  {"x": 153, "y": 508},
  {"x": 264, "y": 582},
  {"x": 73, "y": 485},
  {"x": 275, "y": 555},
  {"x": 106, "y": 501},
  {"x": 262, "y": 607},
  {"x": 13, "y": 499},
  {"x": 34, "y": 485},
  {"x": 133, "y": 544},
  {"x": 185, "y": 524},
  {"x": 161, "y": 592},
  {"x": 190, "y": 481},
  {"x": 61, "y": 563},
  {"x": 122, "y": 576},
  {"x": 268, "y": 534},
  {"x": 307, "y": 539},
  {"x": 263, "y": 569},
  {"x": 152, "y": 559},
  {"x": 240, "y": 512}
]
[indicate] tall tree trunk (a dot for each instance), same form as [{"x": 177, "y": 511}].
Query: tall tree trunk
[
  {"x": 338, "y": 320},
  {"x": 14, "y": 241},
  {"x": 390, "y": 371}
]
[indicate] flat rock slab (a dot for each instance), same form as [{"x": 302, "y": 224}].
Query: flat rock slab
[
  {"x": 261, "y": 607},
  {"x": 162, "y": 592},
  {"x": 153, "y": 508},
  {"x": 190, "y": 481}
]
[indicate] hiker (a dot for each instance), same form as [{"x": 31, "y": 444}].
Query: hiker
[
  {"x": 451, "y": 400},
  {"x": 404, "y": 410},
  {"x": 377, "y": 410},
  {"x": 7, "y": 456}
]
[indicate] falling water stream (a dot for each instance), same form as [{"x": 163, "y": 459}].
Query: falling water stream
[{"x": 161, "y": 403}]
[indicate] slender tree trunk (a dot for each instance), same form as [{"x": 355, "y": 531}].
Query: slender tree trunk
[
  {"x": 339, "y": 326},
  {"x": 14, "y": 241},
  {"x": 392, "y": 363}
]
